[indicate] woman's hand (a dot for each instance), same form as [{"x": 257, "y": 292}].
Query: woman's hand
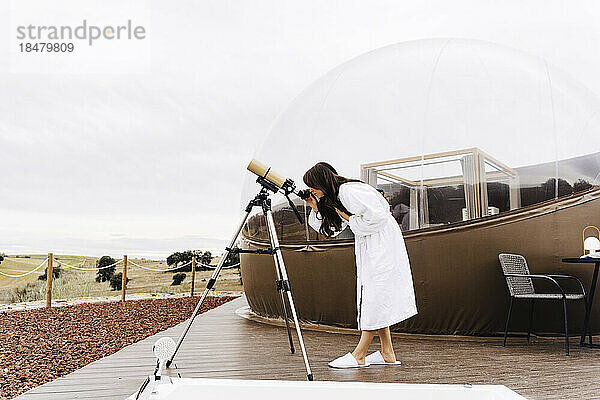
[
  {"x": 312, "y": 202},
  {"x": 343, "y": 214}
]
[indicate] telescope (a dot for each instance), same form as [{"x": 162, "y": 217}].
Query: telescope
[
  {"x": 270, "y": 181},
  {"x": 276, "y": 182}
]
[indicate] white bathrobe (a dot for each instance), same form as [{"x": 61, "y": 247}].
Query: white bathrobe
[{"x": 384, "y": 287}]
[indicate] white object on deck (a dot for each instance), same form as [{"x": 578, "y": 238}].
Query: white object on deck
[
  {"x": 347, "y": 361},
  {"x": 163, "y": 350},
  {"x": 377, "y": 359},
  {"x": 236, "y": 389}
]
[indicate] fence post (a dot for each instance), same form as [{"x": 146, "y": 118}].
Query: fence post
[
  {"x": 193, "y": 275},
  {"x": 124, "y": 278},
  {"x": 49, "y": 276}
]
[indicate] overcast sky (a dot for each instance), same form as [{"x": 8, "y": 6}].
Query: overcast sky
[{"x": 141, "y": 148}]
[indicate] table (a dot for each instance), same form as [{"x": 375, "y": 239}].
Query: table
[{"x": 590, "y": 299}]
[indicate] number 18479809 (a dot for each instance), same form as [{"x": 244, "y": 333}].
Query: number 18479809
[{"x": 44, "y": 47}]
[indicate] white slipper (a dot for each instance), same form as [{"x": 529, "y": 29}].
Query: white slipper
[
  {"x": 377, "y": 359},
  {"x": 347, "y": 361}
]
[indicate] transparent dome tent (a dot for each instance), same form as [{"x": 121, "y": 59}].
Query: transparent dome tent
[
  {"x": 453, "y": 130},
  {"x": 480, "y": 149}
]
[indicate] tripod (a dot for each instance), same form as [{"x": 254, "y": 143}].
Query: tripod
[{"x": 283, "y": 285}]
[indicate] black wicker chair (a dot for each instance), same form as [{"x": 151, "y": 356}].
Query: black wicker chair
[{"x": 520, "y": 286}]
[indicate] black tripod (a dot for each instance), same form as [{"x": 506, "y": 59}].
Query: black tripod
[{"x": 283, "y": 285}]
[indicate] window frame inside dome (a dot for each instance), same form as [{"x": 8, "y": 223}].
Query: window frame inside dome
[{"x": 474, "y": 180}]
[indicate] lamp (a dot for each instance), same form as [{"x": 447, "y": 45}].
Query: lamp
[{"x": 591, "y": 244}]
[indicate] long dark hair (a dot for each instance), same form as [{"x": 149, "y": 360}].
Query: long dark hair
[{"x": 324, "y": 177}]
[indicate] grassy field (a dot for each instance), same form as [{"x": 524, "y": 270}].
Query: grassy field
[{"x": 75, "y": 283}]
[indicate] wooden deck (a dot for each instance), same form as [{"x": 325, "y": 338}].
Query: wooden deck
[{"x": 222, "y": 344}]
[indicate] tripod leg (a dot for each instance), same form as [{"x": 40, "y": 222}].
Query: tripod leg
[
  {"x": 286, "y": 287},
  {"x": 287, "y": 322},
  {"x": 283, "y": 305},
  {"x": 209, "y": 285}
]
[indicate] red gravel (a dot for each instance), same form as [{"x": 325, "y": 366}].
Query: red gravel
[{"x": 38, "y": 346}]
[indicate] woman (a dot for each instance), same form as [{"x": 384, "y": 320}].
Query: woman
[{"x": 384, "y": 286}]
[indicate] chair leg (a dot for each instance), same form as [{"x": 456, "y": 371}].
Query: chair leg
[
  {"x": 530, "y": 319},
  {"x": 507, "y": 321},
  {"x": 566, "y": 327}
]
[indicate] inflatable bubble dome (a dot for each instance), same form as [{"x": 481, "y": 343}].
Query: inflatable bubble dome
[{"x": 452, "y": 130}]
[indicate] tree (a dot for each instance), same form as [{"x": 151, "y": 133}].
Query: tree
[
  {"x": 234, "y": 257},
  {"x": 105, "y": 274},
  {"x": 185, "y": 257},
  {"x": 174, "y": 259},
  {"x": 206, "y": 258},
  {"x": 116, "y": 281},
  {"x": 56, "y": 272},
  {"x": 178, "y": 278}
]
